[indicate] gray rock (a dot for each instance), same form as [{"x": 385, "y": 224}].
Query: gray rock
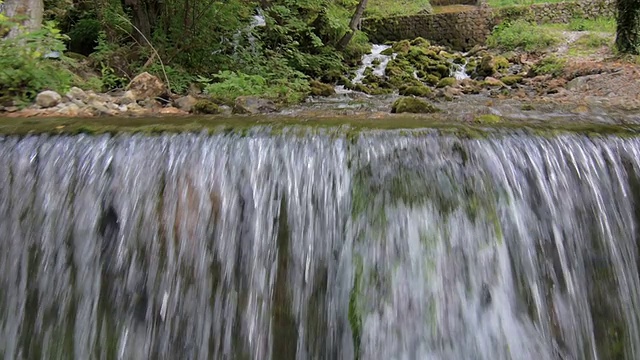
[
  {"x": 76, "y": 94},
  {"x": 185, "y": 103},
  {"x": 126, "y": 99},
  {"x": 253, "y": 105},
  {"x": 48, "y": 98}
]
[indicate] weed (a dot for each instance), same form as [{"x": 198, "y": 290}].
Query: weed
[{"x": 521, "y": 34}]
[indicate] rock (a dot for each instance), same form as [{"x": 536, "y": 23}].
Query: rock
[
  {"x": 253, "y": 105},
  {"x": 185, "y": 103},
  {"x": 578, "y": 84},
  {"x": 490, "y": 65},
  {"x": 127, "y": 98},
  {"x": 492, "y": 82},
  {"x": 170, "y": 110},
  {"x": 48, "y": 98},
  {"x": 76, "y": 93},
  {"x": 70, "y": 110},
  {"x": 448, "y": 81},
  {"x": 99, "y": 107},
  {"x": 488, "y": 119},
  {"x": 11, "y": 109},
  {"x": 146, "y": 86},
  {"x": 421, "y": 91},
  {"x": 511, "y": 79},
  {"x": 321, "y": 89},
  {"x": 205, "y": 107},
  {"x": 412, "y": 105}
]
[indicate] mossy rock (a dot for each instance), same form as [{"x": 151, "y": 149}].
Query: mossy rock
[
  {"x": 490, "y": 65},
  {"x": 387, "y": 52},
  {"x": 511, "y": 79},
  {"x": 421, "y": 91},
  {"x": 448, "y": 81},
  {"x": 412, "y": 105},
  {"x": 487, "y": 119},
  {"x": 431, "y": 79},
  {"x": 401, "y": 47},
  {"x": 500, "y": 63},
  {"x": 204, "y": 106},
  {"x": 375, "y": 62},
  {"x": 321, "y": 89},
  {"x": 443, "y": 70},
  {"x": 527, "y": 107},
  {"x": 421, "y": 42}
]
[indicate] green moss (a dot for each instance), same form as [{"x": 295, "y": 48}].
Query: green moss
[
  {"x": 401, "y": 47},
  {"x": 206, "y": 107},
  {"x": 443, "y": 70},
  {"x": 527, "y": 107},
  {"x": 488, "y": 119},
  {"x": 421, "y": 91},
  {"x": 387, "y": 52},
  {"x": 355, "y": 316},
  {"x": 321, "y": 89},
  {"x": 413, "y": 105},
  {"x": 448, "y": 81},
  {"x": 511, "y": 79},
  {"x": 431, "y": 79},
  {"x": 421, "y": 42}
]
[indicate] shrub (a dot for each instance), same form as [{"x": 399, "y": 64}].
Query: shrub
[
  {"x": 550, "y": 65},
  {"x": 229, "y": 85},
  {"x": 24, "y": 69},
  {"x": 521, "y": 35}
]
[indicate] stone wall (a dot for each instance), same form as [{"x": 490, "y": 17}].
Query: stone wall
[{"x": 465, "y": 29}]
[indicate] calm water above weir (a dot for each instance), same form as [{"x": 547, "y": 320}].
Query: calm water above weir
[{"x": 263, "y": 245}]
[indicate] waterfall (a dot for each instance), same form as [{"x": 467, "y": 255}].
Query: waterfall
[
  {"x": 459, "y": 71},
  {"x": 311, "y": 244},
  {"x": 367, "y": 62}
]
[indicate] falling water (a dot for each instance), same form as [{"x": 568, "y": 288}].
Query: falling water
[
  {"x": 390, "y": 245},
  {"x": 459, "y": 71},
  {"x": 367, "y": 62}
]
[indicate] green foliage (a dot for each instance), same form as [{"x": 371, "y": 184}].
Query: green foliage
[
  {"x": 386, "y": 8},
  {"x": 179, "y": 79},
  {"x": 229, "y": 85},
  {"x": 83, "y": 37},
  {"x": 521, "y": 35},
  {"x": 499, "y": 3},
  {"x": 550, "y": 65},
  {"x": 593, "y": 41},
  {"x": 24, "y": 71},
  {"x": 601, "y": 24}
]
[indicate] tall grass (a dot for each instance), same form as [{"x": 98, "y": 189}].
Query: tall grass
[
  {"x": 499, "y": 3},
  {"x": 521, "y": 34},
  {"x": 384, "y": 8}
]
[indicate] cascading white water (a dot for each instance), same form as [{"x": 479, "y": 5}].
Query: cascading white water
[
  {"x": 319, "y": 245},
  {"x": 367, "y": 62},
  {"x": 459, "y": 71}
]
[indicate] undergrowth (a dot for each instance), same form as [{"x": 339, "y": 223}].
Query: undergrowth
[
  {"x": 25, "y": 69},
  {"x": 500, "y": 3},
  {"x": 521, "y": 34},
  {"x": 385, "y": 8}
]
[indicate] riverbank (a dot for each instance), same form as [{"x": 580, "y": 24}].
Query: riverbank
[{"x": 576, "y": 77}]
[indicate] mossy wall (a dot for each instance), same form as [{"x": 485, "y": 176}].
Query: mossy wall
[{"x": 465, "y": 29}]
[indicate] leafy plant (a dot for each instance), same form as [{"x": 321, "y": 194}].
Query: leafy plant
[
  {"x": 24, "y": 69},
  {"x": 521, "y": 34}
]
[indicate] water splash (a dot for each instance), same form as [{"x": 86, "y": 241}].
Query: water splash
[{"x": 313, "y": 245}]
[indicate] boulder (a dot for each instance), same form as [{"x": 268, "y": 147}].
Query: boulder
[
  {"x": 321, "y": 89},
  {"x": 413, "y": 105},
  {"x": 146, "y": 86},
  {"x": 76, "y": 93},
  {"x": 48, "y": 98},
  {"x": 70, "y": 110},
  {"x": 185, "y": 103},
  {"x": 127, "y": 98},
  {"x": 420, "y": 91},
  {"x": 205, "y": 107},
  {"x": 253, "y": 105}
]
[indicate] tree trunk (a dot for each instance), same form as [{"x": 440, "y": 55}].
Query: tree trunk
[
  {"x": 628, "y": 31},
  {"x": 27, "y": 13},
  {"x": 353, "y": 25}
]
